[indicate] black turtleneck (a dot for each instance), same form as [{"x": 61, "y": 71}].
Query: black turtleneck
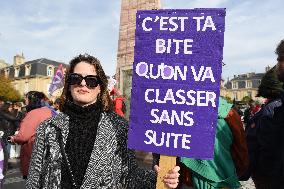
[{"x": 83, "y": 124}]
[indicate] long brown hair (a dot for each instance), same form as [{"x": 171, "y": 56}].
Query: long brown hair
[
  {"x": 104, "y": 97},
  {"x": 280, "y": 51}
]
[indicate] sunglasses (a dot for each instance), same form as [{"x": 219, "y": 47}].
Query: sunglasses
[{"x": 91, "y": 80}]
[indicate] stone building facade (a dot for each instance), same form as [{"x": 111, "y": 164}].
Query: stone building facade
[
  {"x": 223, "y": 90},
  {"x": 125, "y": 54},
  {"x": 31, "y": 75},
  {"x": 3, "y": 64},
  {"x": 244, "y": 85}
]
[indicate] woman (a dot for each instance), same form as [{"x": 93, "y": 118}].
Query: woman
[
  {"x": 85, "y": 146},
  {"x": 8, "y": 125},
  {"x": 118, "y": 102},
  {"x": 36, "y": 113}
]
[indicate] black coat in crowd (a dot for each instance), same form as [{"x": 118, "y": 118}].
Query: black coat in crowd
[{"x": 8, "y": 124}]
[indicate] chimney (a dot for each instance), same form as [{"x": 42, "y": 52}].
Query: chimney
[
  {"x": 3, "y": 64},
  {"x": 19, "y": 59}
]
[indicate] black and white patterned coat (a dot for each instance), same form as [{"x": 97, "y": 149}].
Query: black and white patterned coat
[{"x": 112, "y": 165}]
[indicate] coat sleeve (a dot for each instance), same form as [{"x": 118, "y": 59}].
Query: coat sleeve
[
  {"x": 239, "y": 150},
  {"x": 27, "y": 129},
  {"x": 137, "y": 177},
  {"x": 134, "y": 176},
  {"x": 37, "y": 159}
]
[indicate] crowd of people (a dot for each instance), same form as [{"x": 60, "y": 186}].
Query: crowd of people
[
  {"x": 18, "y": 123},
  {"x": 252, "y": 149},
  {"x": 80, "y": 140},
  {"x": 10, "y": 117}
]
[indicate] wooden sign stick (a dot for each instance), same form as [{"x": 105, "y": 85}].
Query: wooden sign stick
[{"x": 166, "y": 163}]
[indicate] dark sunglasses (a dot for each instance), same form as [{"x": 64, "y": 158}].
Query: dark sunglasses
[{"x": 91, "y": 80}]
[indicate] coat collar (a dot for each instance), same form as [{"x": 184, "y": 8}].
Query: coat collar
[
  {"x": 103, "y": 149},
  {"x": 62, "y": 122},
  {"x": 103, "y": 146}
]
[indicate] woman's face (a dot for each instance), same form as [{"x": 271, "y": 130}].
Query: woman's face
[
  {"x": 26, "y": 100},
  {"x": 10, "y": 109},
  {"x": 82, "y": 94}
]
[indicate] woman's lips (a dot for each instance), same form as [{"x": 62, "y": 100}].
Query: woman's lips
[{"x": 81, "y": 91}]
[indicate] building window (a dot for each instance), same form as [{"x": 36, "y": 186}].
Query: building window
[
  {"x": 27, "y": 70},
  {"x": 7, "y": 72},
  {"x": 17, "y": 70},
  {"x": 248, "y": 84},
  {"x": 235, "y": 85},
  {"x": 249, "y": 94},
  {"x": 49, "y": 71},
  {"x": 26, "y": 87},
  {"x": 235, "y": 95}
]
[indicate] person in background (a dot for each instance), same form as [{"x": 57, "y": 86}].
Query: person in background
[
  {"x": 1, "y": 103},
  {"x": 8, "y": 124},
  {"x": 118, "y": 102},
  {"x": 36, "y": 113},
  {"x": 10, "y": 108},
  {"x": 2, "y": 162},
  {"x": 248, "y": 111},
  {"x": 17, "y": 108},
  {"x": 260, "y": 134},
  {"x": 85, "y": 146},
  {"x": 238, "y": 109},
  {"x": 256, "y": 108},
  {"x": 269, "y": 143},
  {"x": 57, "y": 104},
  {"x": 19, "y": 114},
  {"x": 230, "y": 159}
]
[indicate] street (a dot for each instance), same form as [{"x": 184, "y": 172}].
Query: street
[{"x": 13, "y": 178}]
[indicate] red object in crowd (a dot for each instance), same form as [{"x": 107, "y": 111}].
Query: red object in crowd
[
  {"x": 255, "y": 109},
  {"x": 118, "y": 102},
  {"x": 113, "y": 91},
  {"x": 118, "y": 106}
]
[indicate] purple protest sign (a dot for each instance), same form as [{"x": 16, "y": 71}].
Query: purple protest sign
[
  {"x": 57, "y": 81},
  {"x": 176, "y": 81}
]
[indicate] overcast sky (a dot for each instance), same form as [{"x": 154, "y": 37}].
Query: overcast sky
[{"x": 60, "y": 30}]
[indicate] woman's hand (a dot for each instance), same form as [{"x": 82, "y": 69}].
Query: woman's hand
[
  {"x": 10, "y": 140},
  {"x": 171, "y": 179}
]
